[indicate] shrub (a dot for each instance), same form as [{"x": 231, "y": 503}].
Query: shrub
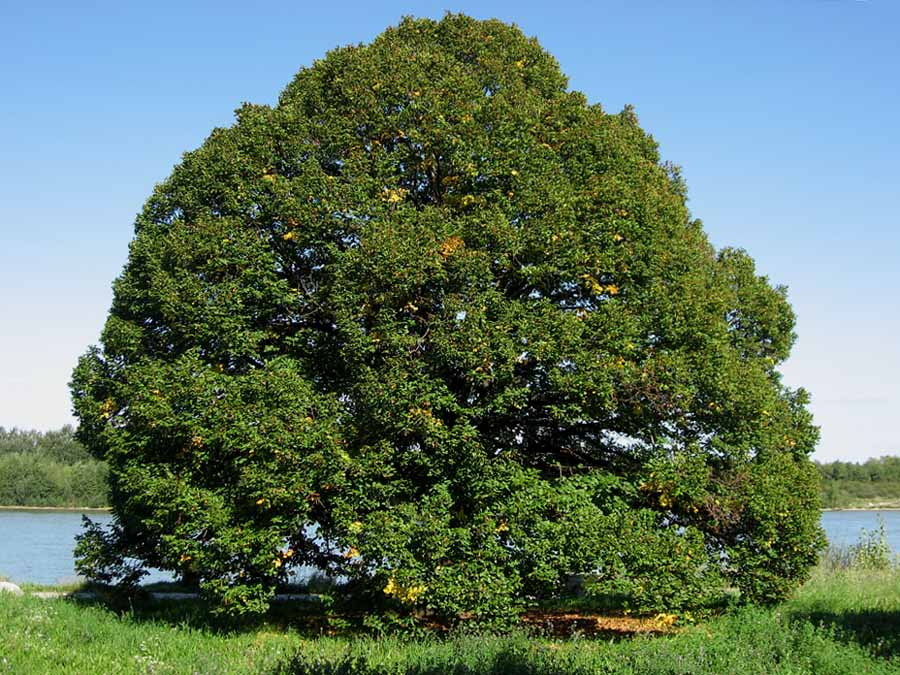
[{"x": 872, "y": 551}]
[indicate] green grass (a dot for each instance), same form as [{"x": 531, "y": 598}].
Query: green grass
[
  {"x": 751, "y": 642},
  {"x": 72, "y": 587},
  {"x": 844, "y": 620},
  {"x": 65, "y": 637},
  {"x": 860, "y": 607},
  {"x": 839, "y": 623}
]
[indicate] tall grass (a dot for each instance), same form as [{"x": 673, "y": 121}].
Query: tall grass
[
  {"x": 845, "y": 620},
  {"x": 751, "y": 641}
]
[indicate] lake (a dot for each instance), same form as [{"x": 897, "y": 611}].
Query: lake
[{"x": 36, "y": 546}]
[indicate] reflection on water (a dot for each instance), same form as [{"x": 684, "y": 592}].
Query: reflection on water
[{"x": 36, "y": 546}]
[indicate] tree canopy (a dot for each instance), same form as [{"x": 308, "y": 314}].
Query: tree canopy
[{"x": 438, "y": 325}]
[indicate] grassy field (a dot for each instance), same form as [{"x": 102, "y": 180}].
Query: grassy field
[
  {"x": 842, "y": 621},
  {"x": 64, "y": 637}
]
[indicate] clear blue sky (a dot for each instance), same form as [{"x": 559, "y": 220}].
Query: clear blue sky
[{"x": 783, "y": 114}]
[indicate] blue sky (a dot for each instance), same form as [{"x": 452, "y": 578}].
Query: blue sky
[{"x": 783, "y": 114}]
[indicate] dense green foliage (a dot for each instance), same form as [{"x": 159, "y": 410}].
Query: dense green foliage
[
  {"x": 49, "y": 469},
  {"x": 59, "y": 446},
  {"x": 855, "y": 484},
  {"x": 436, "y": 324}
]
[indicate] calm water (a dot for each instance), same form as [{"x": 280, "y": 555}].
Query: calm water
[
  {"x": 844, "y": 527},
  {"x": 36, "y": 546}
]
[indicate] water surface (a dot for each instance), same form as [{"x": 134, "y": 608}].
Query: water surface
[
  {"x": 36, "y": 546},
  {"x": 843, "y": 528}
]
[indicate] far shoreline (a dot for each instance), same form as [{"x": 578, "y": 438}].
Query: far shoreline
[{"x": 861, "y": 508}]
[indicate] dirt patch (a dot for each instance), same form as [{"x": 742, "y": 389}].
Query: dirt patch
[{"x": 566, "y": 624}]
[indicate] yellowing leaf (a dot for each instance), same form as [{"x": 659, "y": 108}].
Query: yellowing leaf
[
  {"x": 450, "y": 245},
  {"x": 392, "y": 196},
  {"x": 405, "y": 594},
  {"x": 592, "y": 283},
  {"x": 107, "y": 408},
  {"x": 666, "y": 620}
]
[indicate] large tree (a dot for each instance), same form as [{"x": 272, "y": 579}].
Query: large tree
[{"x": 435, "y": 323}]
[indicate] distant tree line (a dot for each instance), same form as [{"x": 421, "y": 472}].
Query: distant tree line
[
  {"x": 49, "y": 469},
  {"x": 880, "y": 469},
  {"x": 852, "y": 484}
]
